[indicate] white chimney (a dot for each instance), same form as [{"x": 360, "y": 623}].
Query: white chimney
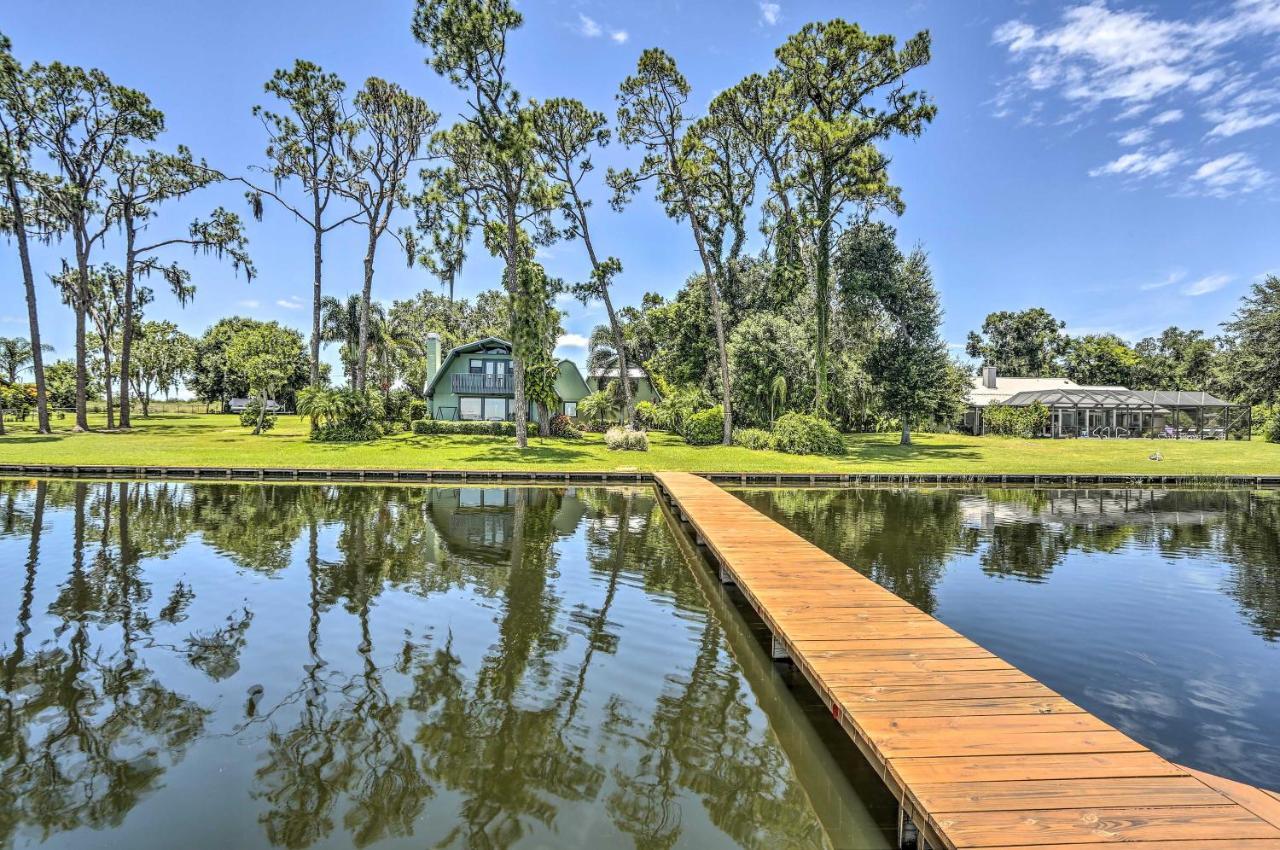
[{"x": 989, "y": 377}]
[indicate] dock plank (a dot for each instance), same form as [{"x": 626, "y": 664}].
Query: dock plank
[{"x": 980, "y": 754}]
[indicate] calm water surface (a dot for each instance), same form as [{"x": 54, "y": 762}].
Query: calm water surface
[
  {"x": 1159, "y": 611},
  {"x": 215, "y": 666}
]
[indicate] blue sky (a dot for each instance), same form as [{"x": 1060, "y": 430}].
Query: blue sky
[{"x": 1113, "y": 162}]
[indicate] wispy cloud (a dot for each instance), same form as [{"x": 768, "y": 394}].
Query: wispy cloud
[
  {"x": 1169, "y": 280},
  {"x": 1235, "y": 173},
  {"x": 1207, "y": 284},
  {"x": 293, "y": 302},
  {"x": 249, "y": 304},
  {"x": 1148, "y": 66},
  {"x": 588, "y": 27},
  {"x": 770, "y": 13},
  {"x": 1136, "y": 136},
  {"x": 1140, "y": 163}
]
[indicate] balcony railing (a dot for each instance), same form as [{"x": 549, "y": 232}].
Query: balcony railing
[{"x": 469, "y": 384}]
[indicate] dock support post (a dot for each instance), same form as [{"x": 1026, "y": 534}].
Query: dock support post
[
  {"x": 778, "y": 649},
  {"x": 725, "y": 577},
  {"x": 908, "y": 834}
]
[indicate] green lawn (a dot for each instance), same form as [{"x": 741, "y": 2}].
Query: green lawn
[{"x": 197, "y": 440}]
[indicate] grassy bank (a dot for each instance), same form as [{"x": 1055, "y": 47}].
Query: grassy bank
[{"x": 197, "y": 440}]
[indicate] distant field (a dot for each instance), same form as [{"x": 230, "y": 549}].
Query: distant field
[{"x": 219, "y": 440}]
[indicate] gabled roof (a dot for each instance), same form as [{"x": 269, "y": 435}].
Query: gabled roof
[{"x": 489, "y": 343}]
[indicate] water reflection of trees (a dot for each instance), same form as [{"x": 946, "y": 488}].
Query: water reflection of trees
[
  {"x": 904, "y": 538},
  {"x": 87, "y": 730},
  {"x": 364, "y": 748}
]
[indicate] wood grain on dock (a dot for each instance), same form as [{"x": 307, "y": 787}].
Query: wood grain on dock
[{"x": 979, "y": 754}]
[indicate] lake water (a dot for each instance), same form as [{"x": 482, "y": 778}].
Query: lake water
[
  {"x": 251, "y": 665},
  {"x": 1157, "y": 610}
]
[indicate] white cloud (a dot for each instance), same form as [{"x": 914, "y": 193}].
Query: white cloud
[
  {"x": 11, "y": 320},
  {"x": 293, "y": 302},
  {"x": 588, "y": 27},
  {"x": 1207, "y": 284},
  {"x": 1235, "y": 173},
  {"x": 1169, "y": 280},
  {"x": 1235, "y": 121},
  {"x": 249, "y": 303},
  {"x": 1140, "y": 163},
  {"x": 1145, "y": 62},
  {"x": 1136, "y": 136},
  {"x": 770, "y": 13},
  {"x": 619, "y": 36},
  {"x": 572, "y": 341}
]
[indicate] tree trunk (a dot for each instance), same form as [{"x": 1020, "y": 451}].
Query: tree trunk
[
  {"x": 106, "y": 374},
  {"x": 906, "y": 432},
  {"x": 317, "y": 249},
  {"x": 262, "y": 413},
  {"x": 362, "y": 347},
  {"x": 716, "y": 314},
  {"x": 544, "y": 420},
  {"x": 1, "y": 417},
  {"x": 822, "y": 303},
  {"x": 82, "y": 300},
  {"x": 33, "y": 319},
  {"x": 521, "y": 401},
  {"x": 126, "y": 332}
]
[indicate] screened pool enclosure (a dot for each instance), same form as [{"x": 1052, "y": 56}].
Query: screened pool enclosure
[{"x": 1106, "y": 412}]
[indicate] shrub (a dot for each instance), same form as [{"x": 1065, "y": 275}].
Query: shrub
[
  {"x": 418, "y": 410},
  {"x": 626, "y": 440},
  {"x": 1005, "y": 421},
  {"x": 474, "y": 427},
  {"x": 345, "y": 432},
  {"x": 705, "y": 428},
  {"x": 647, "y": 414},
  {"x": 249, "y": 418},
  {"x": 1272, "y": 430},
  {"x": 806, "y": 434},
  {"x": 593, "y": 409},
  {"x": 752, "y": 438},
  {"x": 397, "y": 408},
  {"x": 562, "y": 426}
]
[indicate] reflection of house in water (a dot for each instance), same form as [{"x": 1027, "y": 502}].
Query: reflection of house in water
[
  {"x": 479, "y": 522},
  {"x": 1064, "y": 508}
]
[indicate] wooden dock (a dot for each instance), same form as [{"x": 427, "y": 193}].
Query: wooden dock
[{"x": 978, "y": 754}]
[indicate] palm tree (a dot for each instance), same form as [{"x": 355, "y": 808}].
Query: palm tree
[
  {"x": 340, "y": 323},
  {"x": 17, "y": 356}
]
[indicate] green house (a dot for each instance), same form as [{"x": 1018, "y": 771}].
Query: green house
[{"x": 475, "y": 381}]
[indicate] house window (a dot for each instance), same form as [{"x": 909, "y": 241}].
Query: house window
[
  {"x": 495, "y": 409},
  {"x": 571, "y": 409},
  {"x": 469, "y": 408},
  {"x": 476, "y": 367}
]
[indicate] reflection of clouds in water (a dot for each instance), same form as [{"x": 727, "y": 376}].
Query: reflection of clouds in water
[
  {"x": 1243, "y": 756},
  {"x": 1151, "y": 703},
  {"x": 1223, "y": 692}
]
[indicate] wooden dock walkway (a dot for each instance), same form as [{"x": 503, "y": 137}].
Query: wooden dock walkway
[{"x": 978, "y": 754}]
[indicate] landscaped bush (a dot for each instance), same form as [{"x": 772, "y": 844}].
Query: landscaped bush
[
  {"x": 249, "y": 418},
  {"x": 473, "y": 427},
  {"x": 752, "y": 438},
  {"x": 562, "y": 426},
  {"x": 1272, "y": 430},
  {"x": 417, "y": 409},
  {"x": 647, "y": 414},
  {"x": 705, "y": 428},
  {"x": 396, "y": 413},
  {"x": 626, "y": 440},
  {"x": 1005, "y": 421},
  {"x": 594, "y": 409},
  {"x": 806, "y": 434}
]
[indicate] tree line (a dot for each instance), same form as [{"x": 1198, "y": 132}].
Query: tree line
[{"x": 830, "y": 319}]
